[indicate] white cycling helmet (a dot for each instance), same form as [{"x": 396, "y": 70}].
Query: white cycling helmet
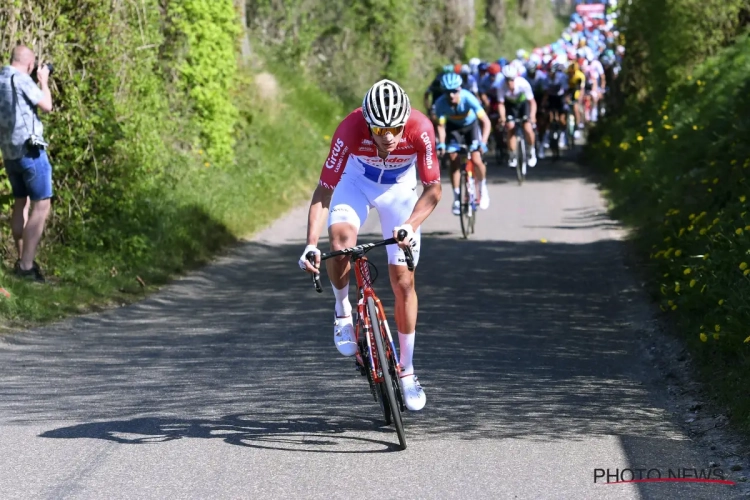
[
  {"x": 474, "y": 63},
  {"x": 386, "y": 105},
  {"x": 510, "y": 71}
]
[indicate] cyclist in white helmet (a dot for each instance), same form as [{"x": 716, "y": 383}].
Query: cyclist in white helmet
[
  {"x": 516, "y": 99},
  {"x": 376, "y": 153}
]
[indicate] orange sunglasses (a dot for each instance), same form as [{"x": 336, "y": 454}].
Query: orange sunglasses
[{"x": 384, "y": 130}]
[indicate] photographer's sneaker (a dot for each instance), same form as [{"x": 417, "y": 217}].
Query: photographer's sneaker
[
  {"x": 343, "y": 335},
  {"x": 412, "y": 392},
  {"x": 35, "y": 273}
]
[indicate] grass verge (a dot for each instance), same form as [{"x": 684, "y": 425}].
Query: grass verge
[
  {"x": 677, "y": 173},
  {"x": 281, "y": 141}
]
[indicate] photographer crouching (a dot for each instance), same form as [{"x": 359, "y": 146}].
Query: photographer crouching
[{"x": 24, "y": 155}]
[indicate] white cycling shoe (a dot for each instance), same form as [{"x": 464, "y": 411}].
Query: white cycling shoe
[
  {"x": 484, "y": 201},
  {"x": 412, "y": 392},
  {"x": 456, "y": 207},
  {"x": 343, "y": 335}
]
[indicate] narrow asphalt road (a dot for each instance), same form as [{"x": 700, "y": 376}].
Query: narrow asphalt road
[{"x": 226, "y": 384}]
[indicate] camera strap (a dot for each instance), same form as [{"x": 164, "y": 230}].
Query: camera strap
[{"x": 15, "y": 103}]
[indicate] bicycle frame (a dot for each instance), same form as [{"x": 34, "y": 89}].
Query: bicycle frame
[{"x": 364, "y": 291}]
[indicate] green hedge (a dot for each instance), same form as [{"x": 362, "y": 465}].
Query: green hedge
[{"x": 677, "y": 161}]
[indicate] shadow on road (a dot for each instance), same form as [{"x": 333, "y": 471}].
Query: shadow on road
[
  {"x": 520, "y": 340},
  {"x": 316, "y": 434}
]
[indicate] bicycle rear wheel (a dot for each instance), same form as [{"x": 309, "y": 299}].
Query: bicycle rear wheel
[
  {"x": 390, "y": 375},
  {"x": 465, "y": 201},
  {"x": 521, "y": 162}
]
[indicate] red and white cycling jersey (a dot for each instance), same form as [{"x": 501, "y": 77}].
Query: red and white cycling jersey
[{"x": 353, "y": 149}]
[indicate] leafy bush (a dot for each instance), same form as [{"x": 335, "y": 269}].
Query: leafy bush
[{"x": 678, "y": 174}]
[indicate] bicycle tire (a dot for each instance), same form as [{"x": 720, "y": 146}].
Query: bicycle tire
[
  {"x": 521, "y": 158},
  {"x": 555, "y": 140},
  {"x": 389, "y": 371},
  {"x": 464, "y": 201},
  {"x": 474, "y": 206}
]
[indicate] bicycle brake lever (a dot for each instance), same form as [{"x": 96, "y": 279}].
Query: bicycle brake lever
[
  {"x": 408, "y": 255},
  {"x": 316, "y": 276}
]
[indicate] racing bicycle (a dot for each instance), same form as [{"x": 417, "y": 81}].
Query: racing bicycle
[
  {"x": 468, "y": 192},
  {"x": 521, "y": 162},
  {"x": 376, "y": 356}
]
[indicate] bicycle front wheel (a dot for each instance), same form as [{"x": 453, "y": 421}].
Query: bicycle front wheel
[
  {"x": 465, "y": 201},
  {"x": 521, "y": 162},
  {"x": 390, "y": 375}
]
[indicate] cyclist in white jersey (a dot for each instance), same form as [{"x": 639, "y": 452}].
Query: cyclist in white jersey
[{"x": 516, "y": 100}]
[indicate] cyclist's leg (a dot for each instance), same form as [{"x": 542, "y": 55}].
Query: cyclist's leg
[
  {"x": 527, "y": 127},
  {"x": 349, "y": 209},
  {"x": 472, "y": 138},
  {"x": 454, "y": 141},
  {"x": 394, "y": 207}
]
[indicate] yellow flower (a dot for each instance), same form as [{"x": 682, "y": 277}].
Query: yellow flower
[
  {"x": 674, "y": 307},
  {"x": 721, "y": 301},
  {"x": 674, "y": 136},
  {"x": 690, "y": 227},
  {"x": 717, "y": 328},
  {"x": 705, "y": 256},
  {"x": 738, "y": 231},
  {"x": 617, "y": 170},
  {"x": 677, "y": 253},
  {"x": 716, "y": 180},
  {"x": 327, "y": 137},
  {"x": 640, "y": 138},
  {"x": 716, "y": 336},
  {"x": 687, "y": 271},
  {"x": 624, "y": 146},
  {"x": 670, "y": 303},
  {"x": 703, "y": 337},
  {"x": 742, "y": 199},
  {"x": 665, "y": 118},
  {"x": 702, "y": 231},
  {"x": 691, "y": 216},
  {"x": 746, "y": 272},
  {"x": 650, "y": 129},
  {"x": 692, "y": 283},
  {"x": 200, "y": 151},
  {"x": 716, "y": 221},
  {"x": 677, "y": 288},
  {"x": 695, "y": 127},
  {"x": 206, "y": 164},
  {"x": 747, "y": 228},
  {"x": 743, "y": 265},
  {"x": 747, "y": 340},
  {"x": 649, "y": 123}
]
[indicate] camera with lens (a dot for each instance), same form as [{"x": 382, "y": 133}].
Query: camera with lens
[{"x": 33, "y": 73}]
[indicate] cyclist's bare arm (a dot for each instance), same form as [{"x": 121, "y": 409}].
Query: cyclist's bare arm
[
  {"x": 441, "y": 131},
  {"x": 316, "y": 216},
  {"x": 532, "y": 110},
  {"x": 426, "y": 203}
]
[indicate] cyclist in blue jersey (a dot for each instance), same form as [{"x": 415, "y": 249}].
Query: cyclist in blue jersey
[{"x": 459, "y": 113}]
